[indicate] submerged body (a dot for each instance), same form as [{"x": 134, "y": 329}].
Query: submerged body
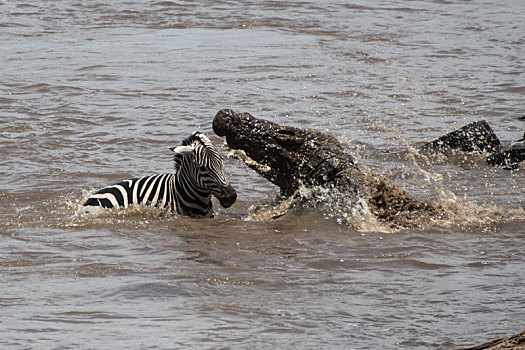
[{"x": 199, "y": 175}]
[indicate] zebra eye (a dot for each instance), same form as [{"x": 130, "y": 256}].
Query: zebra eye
[{"x": 202, "y": 168}]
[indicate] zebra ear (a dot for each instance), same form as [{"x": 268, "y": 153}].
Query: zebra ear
[{"x": 182, "y": 150}]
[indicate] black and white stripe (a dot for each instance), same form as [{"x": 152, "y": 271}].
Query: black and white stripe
[{"x": 199, "y": 175}]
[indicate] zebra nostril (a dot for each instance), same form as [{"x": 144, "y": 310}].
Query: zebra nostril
[{"x": 228, "y": 197}]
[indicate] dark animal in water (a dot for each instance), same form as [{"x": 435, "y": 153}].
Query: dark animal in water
[{"x": 290, "y": 158}]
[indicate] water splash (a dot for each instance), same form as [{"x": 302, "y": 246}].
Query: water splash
[
  {"x": 68, "y": 211},
  {"x": 454, "y": 211},
  {"x": 449, "y": 210},
  {"x": 330, "y": 202}
]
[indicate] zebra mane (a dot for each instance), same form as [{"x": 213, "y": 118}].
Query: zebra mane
[{"x": 197, "y": 138}]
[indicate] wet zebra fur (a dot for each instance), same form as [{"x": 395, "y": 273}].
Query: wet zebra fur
[{"x": 199, "y": 174}]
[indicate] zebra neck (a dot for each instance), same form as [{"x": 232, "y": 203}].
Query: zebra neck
[{"x": 190, "y": 198}]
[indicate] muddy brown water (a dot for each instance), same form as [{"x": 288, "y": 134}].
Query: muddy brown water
[{"x": 94, "y": 92}]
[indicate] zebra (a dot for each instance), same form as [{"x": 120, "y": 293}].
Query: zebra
[{"x": 199, "y": 174}]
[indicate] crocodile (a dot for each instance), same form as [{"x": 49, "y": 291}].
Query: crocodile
[{"x": 294, "y": 158}]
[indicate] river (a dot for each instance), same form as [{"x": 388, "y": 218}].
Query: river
[{"x": 94, "y": 92}]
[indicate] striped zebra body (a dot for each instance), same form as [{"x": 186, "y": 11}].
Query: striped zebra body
[
  {"x": 199, "y": 174},
  {"x": 154, "y": 190}
]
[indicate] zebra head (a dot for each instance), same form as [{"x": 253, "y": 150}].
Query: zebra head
[{"x": 202, "y": 166}]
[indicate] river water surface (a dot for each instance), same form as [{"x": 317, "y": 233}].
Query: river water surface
[{"x": 94, "y": 92}]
